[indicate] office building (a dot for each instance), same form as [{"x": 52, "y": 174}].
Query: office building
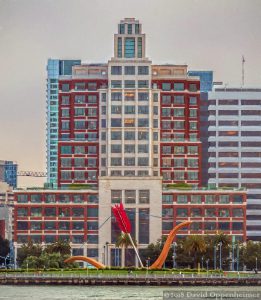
[
  {"x": 234, "y": 147},
  {"x": 8, "y": 172}
]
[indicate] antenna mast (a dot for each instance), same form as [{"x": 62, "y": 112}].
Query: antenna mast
[{"x": 243, "y": 70}]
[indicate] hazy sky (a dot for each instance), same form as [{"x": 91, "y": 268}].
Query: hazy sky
[{"x": 205, "y": 34}]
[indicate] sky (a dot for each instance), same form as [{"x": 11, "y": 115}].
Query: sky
[{"x": 205, "y": 34}]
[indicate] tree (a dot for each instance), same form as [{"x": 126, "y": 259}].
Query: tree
[
  {"x": 124, "y": 241},
  {"x": 195, "y": 246},
  {"x": 27, "y": 250},
  {"x": 251, "y": 254},
  {"x": 61, "y": 246}
]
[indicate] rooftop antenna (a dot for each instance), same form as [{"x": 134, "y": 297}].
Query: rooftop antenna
[{"x": 243, "y": 70}]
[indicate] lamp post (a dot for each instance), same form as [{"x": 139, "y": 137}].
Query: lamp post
[
  {"x": 174, "y": 255},
  {"x": 215, "y": 257},
  {"x": 256, "y": 263},
  {"x": 147, "y": 266},
  {"x": 220, "y": 256},
  {"x": 202, "y": 262},
  {"x": 207, "y": 261},
  {"x": 237, "y": 257}
]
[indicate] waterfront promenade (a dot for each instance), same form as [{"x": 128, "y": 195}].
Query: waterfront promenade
[{"x": 130, "y": 279}]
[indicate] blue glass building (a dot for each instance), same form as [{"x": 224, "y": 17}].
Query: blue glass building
[
  {"x": 8, "y": 172},
  {"x": 55, "y": 68},
  {"x": 206, "y": 79}
]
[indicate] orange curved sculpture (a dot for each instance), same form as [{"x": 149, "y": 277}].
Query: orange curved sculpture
[
  {"x": 164, "y": 253},
  {"x": 89, "y": 260}
]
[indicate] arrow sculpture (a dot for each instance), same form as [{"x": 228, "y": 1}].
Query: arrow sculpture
[{"x": 124, "y": 225}]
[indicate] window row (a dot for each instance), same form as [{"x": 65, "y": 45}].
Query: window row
[
  {"x": 79, "y": 175},
  {"x": 118, "y": 148},
  {"x": 80, "y": 112},
  {"x": 178, "y": 99},
  {"x": 178, "y": 125},
  {"x": 78, "y": 162},
  {"x": 130, "y": 135},
  {"x": 130, "y": 196},
  {"x": 79, "y": 150},
  {"x": 177, "y": 112},
  {"x": 180, "y": 175},
  {"x": 92, "y": 212},
  {"x": 52, "y": 198},
  {"x": 130, "y": 122},
  {"x": 179, "y": 150},
  {"x": 207, "y": 199},
  {"x": 129, "y": 96},
  {"x": 129, "y": 70},
  {"x": 130, "y": 84},
  {"x": 75, "y": 239},
  {"x": 79, "y": 86},
  {"x": 79, "y": 124},
  {"x": 179, "y": 163},
  {"x": 179, "y": 86},
  {"x": 198, "y": 212},
  {"x": 130, "y": 109},
  {"x": 61, "y": 225},
  {"x": 130, "y": 161},
  {"x": 209, "y": 226}
]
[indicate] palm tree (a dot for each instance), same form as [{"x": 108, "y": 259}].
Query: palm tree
[
  {"x": 123, "y": 241},
  {"x": 223, "y": 238},
  {"x": 195, "y": 246}
]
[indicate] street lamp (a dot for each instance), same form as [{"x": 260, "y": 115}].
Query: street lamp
[
  {"x": 215, "y": 257},
  {"x": 237, "y": 257},
  {"x": 174, "y": 255},
  {"x": 256, "y": 264},
  {"x": 207, "y": 261},
  {"x": 220, "y": 255},
  {"x": 202, "y": 262}
]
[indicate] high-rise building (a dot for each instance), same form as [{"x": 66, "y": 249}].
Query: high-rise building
[
  {"x": 8, "y": 172},
  {"x": 128, "y": 131},
  {"x": 234, "y": 147},
  {"x": 55, "y": 68}
]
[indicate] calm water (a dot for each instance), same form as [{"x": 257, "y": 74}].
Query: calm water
[{"x": 106, "y": 292}]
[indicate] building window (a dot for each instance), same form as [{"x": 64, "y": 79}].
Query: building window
[
  {"x": 65, "y": 87},
  {"x": 129, "y": 70},
  {"x": 143, "y": 136},
  {"x": 143, "y": 84},
  {"x": 129, "y": 122},
  {"x": 166, "y": 99},
  {"x": 92, "y": 86},
  {"x": 193, "y": 100},
  {"x": 115, "y": 84},
  {"x": 116, "y": 161},
  {"x": 143, "y": 122},
  {"x": 129, "y": 161},
  {"x": 182, "y": 212},
  {"x": 116, "y": 148},
  {"x": 129, "y": 149},
  {"x": 130, "y": 196},
  {"x": 66, "y": 149},
  {"x": 116, "y": 196},
  {"x": 116, "y": 96},
  {"x": 143, "y": 161},
  {"x": 116, "y": 109},
  {"x": 92, "y": 212},
  {"x": 179, "y": 86},
  {"x": 79, "y": 99},
  {"x": 116, "y": 70},
  {"x": 167, "y": 212},
  {"x": 129, "y": 135},
  {"x": 129, "y": 109},
  {"x": 116, "y": 135},
  {"x": 129, "y": 48},
  {"x": 116, "y": 123},
  {"x": 179, "y": 99},
  {"x": 182, "y": 199},
  {"x": 179, "y": 112},
  {"x": 79, "y": 86},
  {"x": 144, "y": 197},
  {"x": 193, "y": 87},
  {"x": 167, "y": 199},
  {"x": 120, "y": 47},
  {"x": 143, "y": 148},
  {"x": 166, "y": 86},
  {"x": 129, "y": 84},
  {"x": 129, "y": 28},
  {"x": 143, "y": 70},
  {"x": 139, "y": 47},
  {"x": 79, "y": 150}
]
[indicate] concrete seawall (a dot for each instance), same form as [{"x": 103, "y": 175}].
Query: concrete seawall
[{"x": 128, "y": 280}]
